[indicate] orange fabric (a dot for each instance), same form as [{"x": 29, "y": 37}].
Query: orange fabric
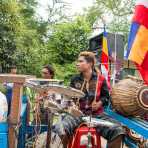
[{"x": 140, "y": 46}]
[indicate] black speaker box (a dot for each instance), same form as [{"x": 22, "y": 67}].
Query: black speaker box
[{"x": 95, "y": 45}]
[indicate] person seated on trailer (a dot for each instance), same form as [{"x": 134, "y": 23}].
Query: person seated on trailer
[
  {"x": 13, "y": 70},
  {"x": 86, "y": 81},
  {"x": 47, "y": 72},
  {"x": 3, "y": 108}
]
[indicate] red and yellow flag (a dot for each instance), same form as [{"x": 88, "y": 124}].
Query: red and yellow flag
[{"x": 105, "y": 58}]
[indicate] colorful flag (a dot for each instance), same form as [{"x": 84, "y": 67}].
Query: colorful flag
[
  {"x": 137, "y": 50},
  {"x": 105, "y": 58}
]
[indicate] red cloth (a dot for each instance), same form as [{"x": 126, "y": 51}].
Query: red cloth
[
  {"x": 144, "y": 73},
  {"x": 76, "y": 141},
  {"x": 141, "y": 15},
  {"x": 101, "y": 79},
  {"x": 143, "y": 69}
]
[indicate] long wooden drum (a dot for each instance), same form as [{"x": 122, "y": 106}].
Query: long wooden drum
[{"x": 130, "y": 97}]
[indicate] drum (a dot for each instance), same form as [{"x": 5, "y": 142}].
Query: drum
[{"x": 130, "y": 97}]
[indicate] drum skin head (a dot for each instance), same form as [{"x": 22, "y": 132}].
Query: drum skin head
[
  {"x": 143, "y": 97},
  {"x": 129, "y": 98}
]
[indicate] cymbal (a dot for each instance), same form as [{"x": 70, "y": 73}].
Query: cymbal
[
  {"x": 64, "y": 90},
  {"x": 41, "y": 81},
  {"x": 54, "y": 88}
]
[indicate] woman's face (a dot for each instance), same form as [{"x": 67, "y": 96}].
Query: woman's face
[
  {"x": 46, "y": 74},
  {"x": 82, "y": 65}
]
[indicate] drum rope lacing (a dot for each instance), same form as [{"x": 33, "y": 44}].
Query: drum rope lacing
[{"x": 37, "y": 119}]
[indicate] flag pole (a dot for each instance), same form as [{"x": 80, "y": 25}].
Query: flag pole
[{"x": 115, "y": 58}]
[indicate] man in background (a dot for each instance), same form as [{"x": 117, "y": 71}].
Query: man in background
[
  {"x": 48, "y": 72},
  {"x": 13, "y": 70}
]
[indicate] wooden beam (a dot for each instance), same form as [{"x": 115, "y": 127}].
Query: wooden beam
[
  {"x": 14, "y": 117},
  {"x": 15, "y": 110},
  {"x": 10, "y": 78}
]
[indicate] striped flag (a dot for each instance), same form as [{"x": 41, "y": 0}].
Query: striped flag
[
  {"x": 137, "y": 50},
  {"x": 105, "y": 58}
]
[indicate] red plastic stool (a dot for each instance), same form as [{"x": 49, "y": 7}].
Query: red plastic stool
[{"x": 84, "y": 136}]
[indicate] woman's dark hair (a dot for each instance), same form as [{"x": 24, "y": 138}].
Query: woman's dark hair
[
  {"x": 50, "y": 70},
  {"x": 89, "y": 57}
]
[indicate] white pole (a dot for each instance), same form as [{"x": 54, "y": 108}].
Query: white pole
[{"x": 115, "y": 58}]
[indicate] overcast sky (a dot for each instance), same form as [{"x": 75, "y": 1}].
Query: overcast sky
[{"x": 76, "y": 6}]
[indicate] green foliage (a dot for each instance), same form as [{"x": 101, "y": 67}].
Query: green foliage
[
  {"x": 65, "y": 71},
  {"x": 10, "y": 25},
  {"x": 121, "y": 11},
  {"x": 2, "y": 89},
  {"x": 114, "y": 13},
  {"x": 56, "y": 12},
  {"x": 21, "y": 37},
  {"x": 117, "y": 7},
  {"x": 92, "y": 14},
  {"x": 28, "y": 9},
  {"x": 67, "y": 40},
  {"x": 30, "y": 42}
]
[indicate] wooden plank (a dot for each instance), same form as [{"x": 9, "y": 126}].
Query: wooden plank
[
  {"x": 14, "y": 78},
  {"x": 14, "y": 117}
]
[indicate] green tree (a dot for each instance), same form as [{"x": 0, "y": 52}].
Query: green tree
[
  {"x": 30, "y": 42},
  {"x": 21, "y": 36},
  {"x": 56, "y": 11},
  {"x": 10, "y": 25},
  {"x": 67, "y": 40},
  {"x": 114, "y": 13}
]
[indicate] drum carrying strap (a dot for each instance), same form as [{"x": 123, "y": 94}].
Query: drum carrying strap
[
  {"x": 100, "y": 80},
  {"x": 99, "y": 83}
]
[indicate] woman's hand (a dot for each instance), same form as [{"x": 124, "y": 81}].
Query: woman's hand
[{"x": 96, "y": 105}]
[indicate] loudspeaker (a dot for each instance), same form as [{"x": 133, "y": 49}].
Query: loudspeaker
[{"x": 115, "y": 42}]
